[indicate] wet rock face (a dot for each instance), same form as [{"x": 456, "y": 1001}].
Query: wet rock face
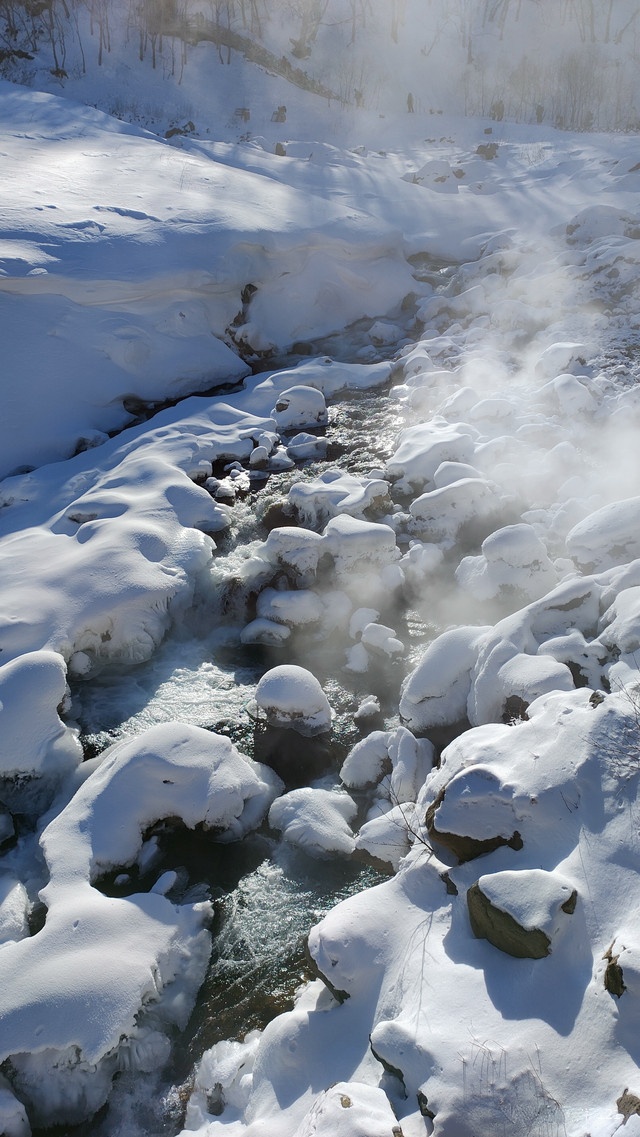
[{"x": 521, "y": 913}]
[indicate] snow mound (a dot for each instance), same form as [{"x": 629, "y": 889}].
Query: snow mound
[
  {"x": 316, "y": 820},
  {"x": 513, "y": 560},
  {"x": 291, "y": 697}
]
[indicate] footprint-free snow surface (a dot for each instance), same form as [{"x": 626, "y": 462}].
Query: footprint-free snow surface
[{"x": 465, "y": 587}]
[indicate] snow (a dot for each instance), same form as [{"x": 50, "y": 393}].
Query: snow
[
  {"x": 471, "y": 578},
  {"x": 291, "y": 697},
  {"x": 317, "y": 820}
]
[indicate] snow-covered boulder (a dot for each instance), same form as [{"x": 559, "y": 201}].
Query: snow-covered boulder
[
  {"x": 333, "y": 493},
  {"x": 513, "y": 561},
  {"x": 421, "y": 449},
  {"x": 521, "y": 912},
  {"x": 36, "y": 748},
  {"x": 291, "y": 697},
  {"x": 295, "y": 549},
  {"x": 608, "y": 537},
  {"x": 349, "y": 1109},
  {"x": 138, "y": 961},
  {"x": 387, "y": 834},
  {"x": 359, "y": 547},
  {"x": 299, "y": 406},
  {"x": 293, "y": 607},
  {"x": 439, "y": 515},
  {"x": 316, "y": 820},
  {"x": 560, "y": 358},
  {"x": 435, "y": 693}
]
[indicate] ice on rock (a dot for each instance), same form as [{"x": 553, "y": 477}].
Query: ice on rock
[
  {"x": 368, "y": 708},
  {"x": 421, "y": 449},
  {"x": 358, "y": 659},
  {"x": 382, "y": 333},
  {"x": 334, "y": 493},
  {"x": 513, "y": 561},
  {"x": 222, "y": 1079},
  {"x": 259, "y": 458},
  {"x": 435, "y": 693},
  {"x": 419, "y": 563},
  {"x": 266, "y": 632},
  {"x": 359, "y": 620},
  {"x": 299, "y": 406},
  {"x": 608, "y": 537},
  {"x": 290, "y": 696},
  {"x": 37, "y": 749},
  {"x": 316, "y": 820}
]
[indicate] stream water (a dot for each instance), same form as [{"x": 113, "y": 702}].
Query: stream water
[{"x": 266, "y": 895}]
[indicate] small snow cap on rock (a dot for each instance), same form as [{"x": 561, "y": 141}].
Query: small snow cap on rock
[{"x": 291, "y": 697}]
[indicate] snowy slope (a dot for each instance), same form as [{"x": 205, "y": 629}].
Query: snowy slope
[{"x": 490, "y": 984}]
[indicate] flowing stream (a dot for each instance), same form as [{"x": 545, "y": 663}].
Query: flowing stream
[{"x": 266, "y": 894}]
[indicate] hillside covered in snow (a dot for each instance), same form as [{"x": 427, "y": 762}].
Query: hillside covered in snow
[{"x": 319, "y": 569}]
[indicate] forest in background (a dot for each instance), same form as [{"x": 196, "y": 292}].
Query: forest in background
[{"x": 571, "y": 63}]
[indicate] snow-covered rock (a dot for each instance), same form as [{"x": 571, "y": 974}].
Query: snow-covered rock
[
  {"x": 316, "y": 820},
  {"x": 291, "y": 697}
]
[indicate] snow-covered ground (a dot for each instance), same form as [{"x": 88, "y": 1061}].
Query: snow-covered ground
[{"x": 488, "y": 273}]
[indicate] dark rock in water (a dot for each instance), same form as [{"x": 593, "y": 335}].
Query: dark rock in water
[
  {"x": 295, "y": 759},
  {"x": 280, "y": 513},
  {"x": 465, "y": 848}
]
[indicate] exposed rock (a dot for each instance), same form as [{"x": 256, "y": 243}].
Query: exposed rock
[
  {"x": 613, "y": 976},
  {"x": 628, "y": 1104},
  {"x": 519, "y": 912},
  {"x": 465, "y": 848}
]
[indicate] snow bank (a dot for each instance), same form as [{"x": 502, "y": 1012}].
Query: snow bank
[{"x": 137, "y": 962}]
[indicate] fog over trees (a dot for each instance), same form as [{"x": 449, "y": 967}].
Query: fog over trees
[{"x": 572, "y": 63}]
